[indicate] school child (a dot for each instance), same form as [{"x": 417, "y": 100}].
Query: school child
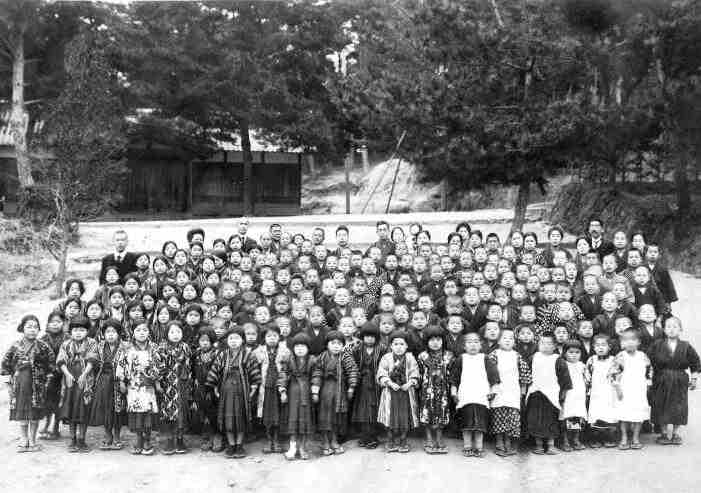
[
  {"x": 336, "y": 377},
  {"x": 269, "y": 408},
  {"x": 631, "y": 371},
  {"x": 604, "y": 322},
  {"x": 398, "y": 375},
  {"x": 434, "y": 404},
  {"x": 671, "y": 358},
  {"x": 250, "y": 334},
  {"x": 72, "y": 310},
  {"x": 192, "y": 323},
  {"x": 115, "y": 307},
  {"x": 133, "y": 312},
  {"x": 473, "y": 381},
  {"x": 53, "y": 337},
  {"x": 648, "y": 326},
  {"x": 585, "y": 333},
  {"x": 340, "y": 307},
  {"x": 562, "y": 335},
  {"x": 574, "y": 409},
  {"x": 175, "y": 382},
  {"x": 139, "y": 372},
  {"x": 526, "y": 344},
  {"x": 347, "y": 328},
  {"x": 157, "y": 275},
  {"x": 625, "y": 307},
  {"x": 77, "y": 359},
  {"x": 551, "y": 380},
  {"x": 204, "y": 403},
  {"x": 644, "y": 293},
  {"x": 294, "y": 384},
  {"x": 209, "y": 303},
  {"x": 108, "y": 408},
  {"x": 601, "y": 414},
  {"x": 235, "y": 378},
  {"x": 27, "y": 364},
  {"x": 490, "y": 336},
  {"x": 95, "y": 314},
  {"x": 102, "y": 294},
  {"x": 318, "y": 330},
  {"x": 505, "y": 408}
]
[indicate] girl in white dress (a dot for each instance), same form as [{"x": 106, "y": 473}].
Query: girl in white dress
[
  {"x": 632, "y": 379},
  {"x": 574, "y": 410},
  {"x": 601, "y": 415}
]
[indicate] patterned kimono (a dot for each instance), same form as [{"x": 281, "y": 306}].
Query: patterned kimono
[
  {"x": 434, "y": 367},
  {"x": 75, "y": 401},
  {"x": 53, "y": 383},
  {"x": 175, "y": 383},
  {"x": 28, "y": 363},
  {"x": 334, "y": 375},
  {"x": 203, "y": 395},
  {"x": 398, "y": 409},
  {"x": 367, "y": 396},
  {"x": 269, "y": 408},
  {"x": 294, "y": 376},
  {"x": 140, "y": 368},
  {"x": 109, "y": 404}
]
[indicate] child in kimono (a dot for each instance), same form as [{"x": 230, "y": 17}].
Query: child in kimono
[
  {"x": 54, "y": 337},
  {"x": 27, "y": 365},
  {"x": 434, "y": 406},
  {"x": 574, "y": 409},
  {"x": 77, "y": 359},
  {"x": 601, "y": 414},
  {"x": 139, "y": 372},
  {"x": 505, "y": 408},
  {"x": 473, "y": 381},
  {"x": 671, "y": 358},
  {"x": 269, "y": 408},
  {"x": 367, "y": 356},
  {"x": 294, "y": 384},
  {"x": 109, "y": 406},
  {"x": 551, "y": 380},
  {"x": 398, "y": 375},
  {"x": 336, "y": 377},
  {"x": 204, "y": 403},
  {"x": 175, "y": 382},
  {"x": 235, "y": 378},
  {"x": 631, "y": 371}
]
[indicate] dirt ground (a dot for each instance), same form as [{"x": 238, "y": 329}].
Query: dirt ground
[{"x": 655, "y": 468}]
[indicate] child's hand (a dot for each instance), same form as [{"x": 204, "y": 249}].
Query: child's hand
[
  {"x": 349, "y": 393},
  {"x": 692, "y": 383},
  {"x": 283, "y": 397},
  {"x": 315, "y": 398},
  {"x": 406, "y": 387},
  {"x": 394, "y": 386},
  {"x": 69, "y": 380},
  {"x": 122, "y": 387},
  {"x": 81, "y": 380},
  {"x": 216, "y": 393},
  {"x": 619, "y": 393}
]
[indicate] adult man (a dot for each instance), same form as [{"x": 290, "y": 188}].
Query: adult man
[
  {"x": 123, "y": 260},
  {"x": 276, "y": 233},
  {"x": 318, "y": 236},
  {"x": 247, "y": 243},
  {"x": 342, "y": 238},
  {"x": 383, "y": 242},
  {"x": 596, "y": 238}
]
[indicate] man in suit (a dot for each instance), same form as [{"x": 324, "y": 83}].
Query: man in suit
[
  {"x": 247, "y": 243},
  {"x": 596, "y": 239},
  {"x": 123, "y": 260}
]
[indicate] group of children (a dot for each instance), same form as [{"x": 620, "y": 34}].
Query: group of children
[{"x": 531, "y": 346}]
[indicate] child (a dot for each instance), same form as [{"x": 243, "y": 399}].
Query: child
[
  {"x": 434, "y": 411},
  {"x": 398, "y": 375},
  {"x": 585, "y": 332},
  {"x": 235, "y": 378},
  {"x": 546, "y": 394},
  {"x": 473, "y": 381},
  {"x": 574, "y": 409},
  {"x": 505, "y": 412},
  {"x": 526, "y": 344},
  {"x": 204, "y": 403},
  {"x": 648, "y": 327},
  {"x": 294, "y": 384},
  {"x": 175, "y": 382},
  {"x": 27, "y": 363},
  {"x": 367, "y": 356},
  {"x": 139, "y": 372},
  {"x": 54, "y": 337},
  {"x": 76, "y": 359},
  {"x": 601, "y": 414},
  {"x": 670, "y": 359},
  {"x": 336, "y": 377},
  {"x": 631, "y": 371},
  {"x": 269, "y": 409},
  {"x": 108, "y": 405}
]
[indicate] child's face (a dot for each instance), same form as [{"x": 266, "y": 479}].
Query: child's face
[
  {"x": 399, "y": 346},
  {"x": 401, "y": 314},
  {"x": 471, "y": 297},
  {"x": 111, "y": 276},
  {"x": 208, "y": 296},
  {"x": 501, "y": 297},
  {"x": 491, "y": 332},
  {"x": 546, "y": 345},
  {"x": 621, "y": 325},
  {"x": 652, "y": 254},
  {"x": 204, "y": 343},
  {"x": 558, "y": 275},
  {"x": 386, "y": 327},
  {"x": 335, "y": 346},
  {"x": 561, "y": 334},
  {"x": 419, "y": 320},
  {"x": 175, "y": 334},
  {"x": 347, "y": 327},
  {"x": 641, "y": 276},
  {"x": 234, "y": 340},
  {"x": 518, "y": 293},
  {"x": 565, "y": 311},
  {"x": 192, "y": 318},
  {"x": 140, "y": 333},
  {"x": 672, "y": 328},
  {"x": 609, "y": 302},
  {"x": 226, "y": 312},
  {"x": 494, "y": 313},
  {"x": 272, "y": 338},
  {"x": 94, "y": 311},
  {"x": 359, "y": 286},
  {"x": 550, "y": 293},
  {"x": 485, "y": 293},
  {"x": 267, "y": 288},
  {"x": 148, "y": 302},
  {"x": 284, "y": 326},
  {"x": 328, "y": 287},
  {"x": 507, "y": 340},
  {"x": 525, "y": 335},
  {"x": 219, "y": 329},
  {"x": 173, "y": 302},
  {"x": 261, "y": 315},
  {"x": 359, "y": 317},
  {"x": 435, "y": 343},
  {"x": 572, "y": 355},
  {"x": 282, "y": 306},
  {"x": 601, "y": 347},
  {"x": 369, "y": 340},
  {"x": 341, "y": 297},
  {"x": 528, "y": 313},
  {"x": 472, "y": 343},
  {"x": 411, "y": 295},
  {"x": 316, "y": 316},
  {"x": 619, "y": 290},
  {"x": 135, "y": 312},
  {"x": 189, "y": 292},
  {"x": 300, "y": 350},
  {"x": 591, "y": 286},
  {"x": 630, "y": 341},
  {"x": 55, "y": 325},
  {"x": 609, "y": 264},
  {"x": 454, "y": 325},
  {"x": 533, "y": 284},
  {"x": 647, "y": 314},
  {"x": 116, "y": 300},
  {"x": 251, "y": 335},
  {"x": 585, "y": 330},
  {"x": 111, "y": 335}
]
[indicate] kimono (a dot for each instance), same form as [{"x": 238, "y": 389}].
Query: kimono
[
  {"x": 140, "y": 368},
  {"x": 334, "y": 375},
  {"x": 574, "y": 408},
  {"x": 505, "y": 408},
  {"x": 630, "y": 372},
  {"x": 28, "y": 364},
  {"x": 398, "y": 410},
  {"x": 434, "y": 367},
  {"x": 205, "y": 402},
  {"x": 235, "y": 372},
  {"x": 367, "y": 396},
  {"x": 670, "y": 381},
  {"x": 269, "y": 408},
  {"x": 551, "y": 378},
  {"x": 53, "y": 383},
  {"x": 294, "y": 376},
  {"x": 75, "y": 401},
  {"x": 473, "y": 375},
  {"x": 109, "y": 405},
  {"x": 175, "y": 383}
]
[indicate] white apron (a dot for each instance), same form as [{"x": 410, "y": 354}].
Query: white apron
[
  {"x": 545, "y": 378},
  {"x": 575, "y": 405},
  {"x": 634, "y": 406},
  {"x": 509, "y": 394},
  {"x": 474, "y": 385},
  {"x": 602, "y": 396}
]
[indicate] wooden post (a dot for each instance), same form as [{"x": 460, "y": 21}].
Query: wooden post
[
  {"x": 347, "y": 165},
  {"x": 312, "y": 166}
]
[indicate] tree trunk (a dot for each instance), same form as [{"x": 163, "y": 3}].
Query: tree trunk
[
  {"x": 524, "y": 193},
  {"x": 62, "y": 260},
  {"x": 683, "y": 197},
  {"x": 19, "y": 118},
  {"x": 248, "y": 181}
]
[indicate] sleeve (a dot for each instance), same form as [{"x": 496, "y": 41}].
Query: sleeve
[
  {"x": 563, "y": 375},
  {"x": 316, "y": 373},
  {"x": 492, "y": 371},
  {"x": 412, "y": 369},
  {"x": 668, "y": 286},
  {"x": 456, "y": 372},
  {"x": 693, "y": 360},
  {"x": 616, "y": 369},
  {"x": 214, "y": 373},
  {"x": 120, "y": 372},
  {"x": 91, "y": 354},
  {"x": 48, "y": 358},
  {"x": 8, "y": 361},
  {"x": 383, "y": 369},
  {"x": 253, "y": 368},
  {"x": 351, "y": 370},
  {"x": 283, "y": 371},
  {"x": 524, "y": 372},
  {"x": 62, "y": 356}
]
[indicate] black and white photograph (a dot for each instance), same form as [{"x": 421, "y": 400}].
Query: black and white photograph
[{"x": 343, "y": 246}]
